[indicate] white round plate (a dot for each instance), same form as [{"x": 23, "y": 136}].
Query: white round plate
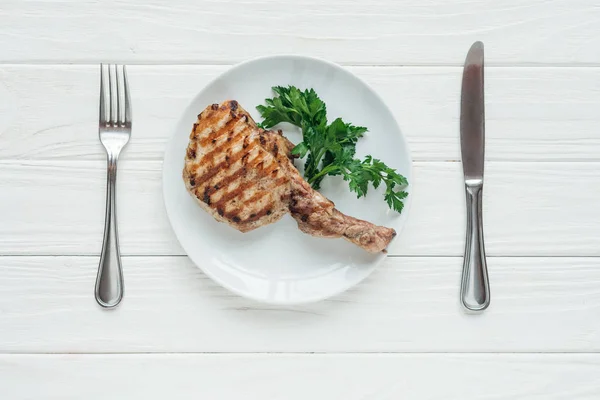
[{"x": 277, "y": 263}]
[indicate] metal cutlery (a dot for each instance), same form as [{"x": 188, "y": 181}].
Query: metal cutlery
[
  {"x": 114, "y": 131},
  {"x": 475, "y": 290}
]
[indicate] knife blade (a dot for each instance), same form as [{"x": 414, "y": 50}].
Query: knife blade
[
  {"x": 475, "y": 291},
  {"x": 472, "y": 114}
]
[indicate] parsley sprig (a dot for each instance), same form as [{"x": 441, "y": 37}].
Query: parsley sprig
[{"x": 330, "y": 149}]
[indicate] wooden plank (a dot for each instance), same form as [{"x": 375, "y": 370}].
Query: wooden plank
[
  {"x": 385, "y": 32},
  {"x": 261, "y": 376},
  {"x": 530, "y": 209},
  {"x": 410, "y": 304},
  {"x": 533, "y": 114}
]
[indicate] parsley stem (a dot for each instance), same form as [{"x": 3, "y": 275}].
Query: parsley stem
[
  {"x": 314, "y": 165},
  {"x": 323, "y": 172}
]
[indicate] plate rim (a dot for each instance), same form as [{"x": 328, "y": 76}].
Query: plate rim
[{"x": 380, "y": 258}]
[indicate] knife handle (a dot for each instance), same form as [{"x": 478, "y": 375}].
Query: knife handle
[{"x": 475, "y": 288}]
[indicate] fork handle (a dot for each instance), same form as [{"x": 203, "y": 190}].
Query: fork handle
[
  {"x": 475, "y": 288},
  {"x": 109, "y": 282}
]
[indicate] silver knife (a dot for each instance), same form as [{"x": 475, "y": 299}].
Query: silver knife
[{"x": 475, "y": 289}]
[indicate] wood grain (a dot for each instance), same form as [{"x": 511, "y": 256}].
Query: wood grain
[
  {"x": 533, "y": 114},
  {"x": 385, "y": 32},
  {"x": 300, "y": 377},
  {"x": 530, "y": 209},
  {"x": 410, "y": 304}
]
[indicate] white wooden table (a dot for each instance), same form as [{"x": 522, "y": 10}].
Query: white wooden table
[{"x": 399, "y": 335}]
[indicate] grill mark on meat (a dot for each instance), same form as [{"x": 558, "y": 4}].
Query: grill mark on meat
[
  {"x": 206, "y": 198},
  {"x": 215, "y": 169},
  {"x": 256, "y": 197},
  {"x": 215, "y": 134},
  {"x": 272, "y": 168},
  {"x": 193, "y": 133},
  {"x": 239, "y": 191},
  {"x": 233, "y": 193},
  {"x": 191, "y": 152},
  {"x": 246, "y": 132},
  {"x": 266, "y": 210},
  {"x": 227, "y": 180},
  {"x": 225, "y": 147}
]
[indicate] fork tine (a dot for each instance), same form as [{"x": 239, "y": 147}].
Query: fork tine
[
  {"x": 127, "y": 98},
  {"x": 113, "y": 95},
  {"x": 118, "y": 118},
  {"x": 102, "y": 97}
]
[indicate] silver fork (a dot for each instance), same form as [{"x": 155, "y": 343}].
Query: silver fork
[{"x": 114, "y": 130}]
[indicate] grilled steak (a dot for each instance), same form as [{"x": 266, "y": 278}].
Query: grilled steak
[{"x": 245, "y": 176}]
